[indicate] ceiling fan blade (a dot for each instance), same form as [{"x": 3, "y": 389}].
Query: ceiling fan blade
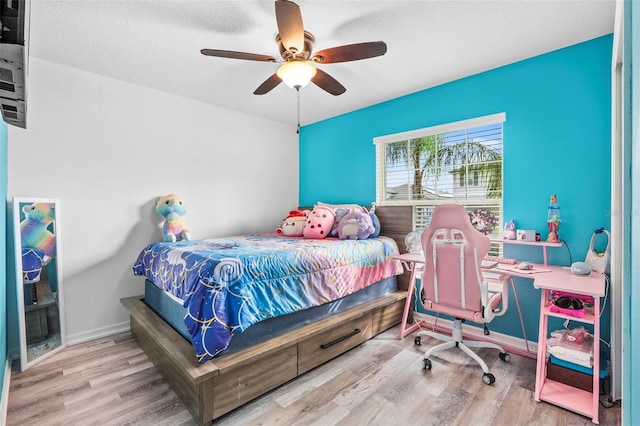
[
  {"x": 351, "y": 52},
  {"x": 268, "y": 84},
  {"x": 328, "y": 83},
  {"x": 290, "y": 25},
  {"x": 237, "y": 55}
]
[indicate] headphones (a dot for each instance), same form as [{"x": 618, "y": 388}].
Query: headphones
[{"x": 565, "y": 302}]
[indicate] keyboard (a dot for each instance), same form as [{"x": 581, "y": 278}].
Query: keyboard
[
  {"x": 487, "y": 264},
  {"x": 498, "y": 259}
]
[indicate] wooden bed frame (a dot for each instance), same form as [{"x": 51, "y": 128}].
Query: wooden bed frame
[{"x": 214, "y": 388}]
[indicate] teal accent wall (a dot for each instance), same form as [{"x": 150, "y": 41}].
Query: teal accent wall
[
  {"x": 556, "y": 141},
  {"x": 3, "y": 256}
]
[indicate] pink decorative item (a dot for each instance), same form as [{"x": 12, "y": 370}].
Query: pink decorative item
[
  {"x": 569, "y": 303},
  {"x": 319, "y": 223},
  {"x": 293, "y": 224},
  {"x": 483, "y": 220},
  {"x": 578, "y": 313},
  {"x": 553, "y": 220},
  {"x": 509, "y": 230}
]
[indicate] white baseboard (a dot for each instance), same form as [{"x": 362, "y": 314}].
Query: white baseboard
[
  {"x": 4, "y": 399},
  {"x": 510, "y": 343},
  {"x": 13, "y": 354},
  {"x": 97, "y": 333}
]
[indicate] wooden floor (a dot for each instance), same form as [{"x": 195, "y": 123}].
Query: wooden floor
[{"x": 381, "y": 382}]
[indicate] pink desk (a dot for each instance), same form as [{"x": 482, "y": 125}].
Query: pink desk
[
  {"x": 555, "y": 278},
  {"x": 413, "y": 262}
]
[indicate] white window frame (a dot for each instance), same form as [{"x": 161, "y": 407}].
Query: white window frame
[{"x": 381, "y": 141}]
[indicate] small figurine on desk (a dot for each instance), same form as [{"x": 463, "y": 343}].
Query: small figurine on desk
[
  {"x": 509, "y": 230},
  {"x": 553, "y": 220}
]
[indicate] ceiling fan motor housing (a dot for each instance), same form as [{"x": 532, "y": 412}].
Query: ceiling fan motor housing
[{"x": 289, "y": 55}]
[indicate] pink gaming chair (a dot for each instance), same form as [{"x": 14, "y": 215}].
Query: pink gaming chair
[{"x": 452, "y": 282}]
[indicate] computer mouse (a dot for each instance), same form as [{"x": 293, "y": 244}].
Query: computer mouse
[{"x": 525, "y": 266}]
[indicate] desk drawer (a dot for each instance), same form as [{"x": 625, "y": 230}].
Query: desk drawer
[{"x": 333, "y": 342}]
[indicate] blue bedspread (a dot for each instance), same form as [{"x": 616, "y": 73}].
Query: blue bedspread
[{"x": 228, "y": 284}]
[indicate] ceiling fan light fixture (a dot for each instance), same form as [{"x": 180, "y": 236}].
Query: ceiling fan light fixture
[
  {"x": 296, "y": 74},
  {"x": 296, "y": 49}
]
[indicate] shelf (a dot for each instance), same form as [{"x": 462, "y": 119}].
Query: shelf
[
  {"x": 542, "y": 244},
  {"x": 44, "y": 295},
  {"x": 561, "y": 394},
  {"x": 568, "y": 397},
  {"x": 587, "y": 318},
  {"x": 525, "y": 243}
]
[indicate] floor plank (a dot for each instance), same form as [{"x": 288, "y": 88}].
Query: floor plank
[{"x": 111, "y": 381}]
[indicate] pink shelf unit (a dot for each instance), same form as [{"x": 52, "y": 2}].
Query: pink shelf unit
[
  {"x": 560, "y": 394},
  {"x": 542, "y": 244}
]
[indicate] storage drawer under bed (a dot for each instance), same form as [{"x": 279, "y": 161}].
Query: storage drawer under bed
[
  {"x": 251, "y": 380},
  {"x": 327, "y": 345}
]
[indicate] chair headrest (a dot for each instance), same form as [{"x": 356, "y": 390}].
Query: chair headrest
[{"x": 454, "y": 216}]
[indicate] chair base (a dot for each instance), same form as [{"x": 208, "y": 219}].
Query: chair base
[{"x": 456, "y": 340}]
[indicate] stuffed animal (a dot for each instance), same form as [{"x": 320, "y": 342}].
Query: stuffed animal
[
  {"x": 375, "y": 221},
  {"x": 293, "y": 225},
  {"x": 509, "y": 230},
  {"x": 36, "y": 230},
  {"x": 340, "y": 213},
  {"x": 319, "y": 223},
  {"x": 172, "y": 208},
  {"x": 355, "y": 226},
  {"x": 32, "y": 260}
]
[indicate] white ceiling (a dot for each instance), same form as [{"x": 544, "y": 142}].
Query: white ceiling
[{"x": 156, "y": 43}]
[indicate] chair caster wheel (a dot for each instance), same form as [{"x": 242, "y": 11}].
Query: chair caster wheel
[
  {"x": 488, "y": 379},
  {"x": 427, "y": 364},
  {"x": 505, "y": 356},
  {"x": 417, "y": 341}
]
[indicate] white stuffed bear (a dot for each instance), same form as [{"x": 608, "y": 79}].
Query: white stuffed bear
[{"x": 293, "y": 224}]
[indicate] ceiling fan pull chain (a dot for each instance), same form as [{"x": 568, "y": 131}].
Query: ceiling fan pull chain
[{"x": 298, "y": 94}]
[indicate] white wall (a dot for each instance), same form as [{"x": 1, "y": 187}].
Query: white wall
[{"x": 106, "y": 149}]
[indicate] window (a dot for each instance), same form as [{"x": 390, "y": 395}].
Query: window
[
  {"x": 472, "y": 180},
  {"x": 458, "y": 163}
]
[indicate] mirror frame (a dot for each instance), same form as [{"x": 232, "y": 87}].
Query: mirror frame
[{"x": 17, "y": 212}]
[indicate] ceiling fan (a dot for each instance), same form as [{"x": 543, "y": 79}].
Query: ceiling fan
[{"x": 298, "y": 62}]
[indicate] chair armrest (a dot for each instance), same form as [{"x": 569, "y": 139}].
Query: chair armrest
[{"x": 490, "y": 313}]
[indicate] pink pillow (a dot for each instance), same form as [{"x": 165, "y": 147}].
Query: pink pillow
[{"x": 319, "y": 223}]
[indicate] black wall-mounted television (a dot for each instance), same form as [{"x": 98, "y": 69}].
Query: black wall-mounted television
[{"x": 14, "y": 40}]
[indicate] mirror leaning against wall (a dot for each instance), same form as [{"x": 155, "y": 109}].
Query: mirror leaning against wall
[{"x": 36, "y": 226}]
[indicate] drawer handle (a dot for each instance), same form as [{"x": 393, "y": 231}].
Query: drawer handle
[{"x": 340, "y": 339}]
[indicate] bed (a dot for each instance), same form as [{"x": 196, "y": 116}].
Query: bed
[{"x": 219, "y": 329}]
